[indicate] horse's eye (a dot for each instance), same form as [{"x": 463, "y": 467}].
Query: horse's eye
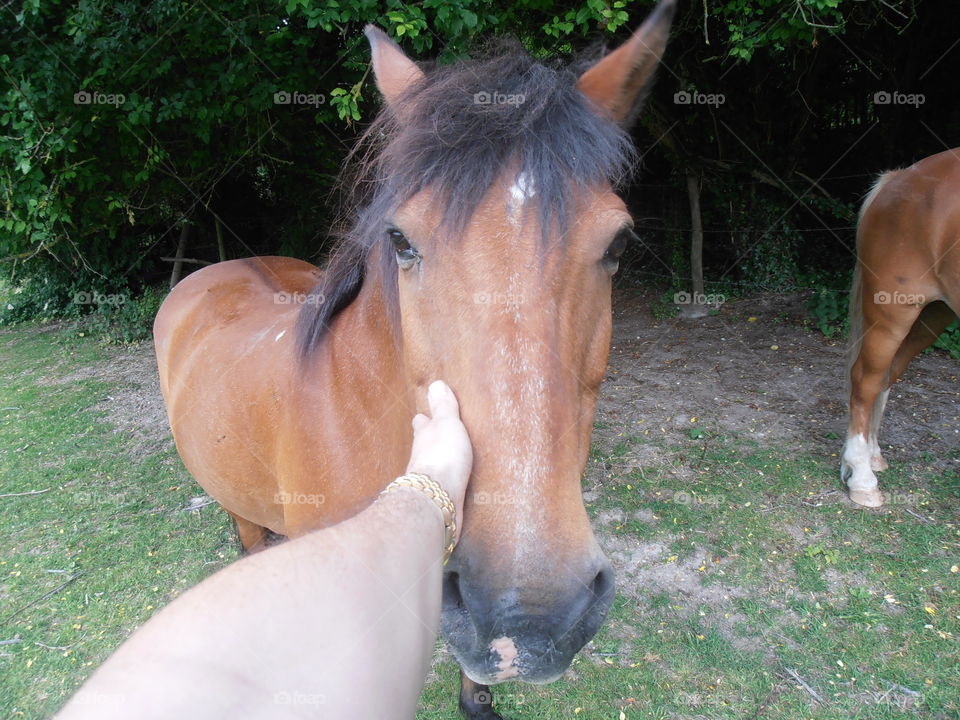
[
  {"x": 407, "y": 255},
  {"x": 611, "y": 258}
]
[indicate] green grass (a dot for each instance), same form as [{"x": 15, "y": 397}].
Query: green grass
[
  {"x": 107, "y": 521},
  {"x": 779, "y": 573},
  {"x": 838, "y": 595}
]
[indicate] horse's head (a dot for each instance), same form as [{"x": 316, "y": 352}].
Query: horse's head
[{"x": 496, "y": 215}]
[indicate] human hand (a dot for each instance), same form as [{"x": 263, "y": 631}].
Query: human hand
[{"x": 441, "y": 446}]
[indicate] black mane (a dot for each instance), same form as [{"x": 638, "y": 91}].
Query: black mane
[{"x": 457, "y": 146}]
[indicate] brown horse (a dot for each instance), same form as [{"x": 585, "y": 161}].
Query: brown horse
[
  {"x": 906, "y": 290},
  {"x": 486, "y": 234}
]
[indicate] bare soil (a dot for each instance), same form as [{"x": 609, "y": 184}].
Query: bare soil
[{"x": 756, "y": 371}]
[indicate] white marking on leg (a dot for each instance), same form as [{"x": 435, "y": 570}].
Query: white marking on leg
[
  {"x": 856, "y": 457},
  {"x": 855, "y": 466}
]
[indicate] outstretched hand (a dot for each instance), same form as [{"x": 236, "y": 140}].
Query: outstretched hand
[{"x": 441, "y": 446}]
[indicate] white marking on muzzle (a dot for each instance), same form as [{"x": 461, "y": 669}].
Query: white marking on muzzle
[{"x": 506, "y": 650}]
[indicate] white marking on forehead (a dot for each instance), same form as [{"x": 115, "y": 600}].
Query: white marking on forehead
[
  {"x": 279, "y": 335},
  {"x": 523, "y": 189}
]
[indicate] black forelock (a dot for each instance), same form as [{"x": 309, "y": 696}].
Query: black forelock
[{"x": 456, "y": 131}]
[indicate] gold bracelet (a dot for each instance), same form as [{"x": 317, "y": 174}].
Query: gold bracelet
[{"x": 431, "y": 488}]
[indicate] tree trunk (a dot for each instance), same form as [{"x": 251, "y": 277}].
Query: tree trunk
[
  {"x": 695, "y": 308},
  {"x": 181, "y": 251},
  {"x": 221, "y": 250}
]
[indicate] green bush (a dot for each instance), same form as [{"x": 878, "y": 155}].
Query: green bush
[
  {"x": 949, "y": 340},
  {"x": 128, "y": 319},
  {"x": 109, "y": 314},
  {"x": 829, "y": 311}
]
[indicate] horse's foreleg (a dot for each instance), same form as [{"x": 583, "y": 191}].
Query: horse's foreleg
[
  {"x": 877, "y": 463},
  {"x": 253, "y": 537},
  {"x": 870, "y": 377},
  {"x": 933, "y": 320},
  {"x": 476, "y": 700}
]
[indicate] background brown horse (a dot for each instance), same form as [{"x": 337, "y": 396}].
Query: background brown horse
[
  {"x": 486, "y": 236},
  {"x": 906, "y": 291}
]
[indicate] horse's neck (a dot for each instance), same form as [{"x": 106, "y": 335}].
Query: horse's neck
[{"x": 366, "y": 350}]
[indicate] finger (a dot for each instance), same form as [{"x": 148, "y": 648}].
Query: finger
[
  {"x": 443, "y": 403},
  {"x": 419, "y": 421}
]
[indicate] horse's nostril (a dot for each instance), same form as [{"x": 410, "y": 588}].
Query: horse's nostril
[
  {"x": 452, "y": 596},
  {"x": 602, "y": 585}
]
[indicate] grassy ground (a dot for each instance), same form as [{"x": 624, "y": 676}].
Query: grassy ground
[
  {"x": 753, "y": 578},
  {"x": 104, "y": 542},
  {"x": 743, "y": 573}
]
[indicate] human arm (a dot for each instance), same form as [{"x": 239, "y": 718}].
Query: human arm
[{"x": 338, "y": 623}]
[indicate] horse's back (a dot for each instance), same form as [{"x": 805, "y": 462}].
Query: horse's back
[
  {"x": 230, "y": 298},
  {"x": 908, "y": 226},
  {"x": 223, "y": 337},
  {"x": 928, "y": 188}
]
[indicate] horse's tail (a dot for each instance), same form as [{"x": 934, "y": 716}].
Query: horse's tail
[{"x": 855, "y": 337}]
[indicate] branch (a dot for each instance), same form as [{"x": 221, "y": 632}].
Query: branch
[{"x": 192, "y": 261}]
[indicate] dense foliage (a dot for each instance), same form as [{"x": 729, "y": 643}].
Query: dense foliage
[{"x": 121, "y": 122}]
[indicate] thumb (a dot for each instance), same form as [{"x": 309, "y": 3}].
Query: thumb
[{"x": 443, "y": 403}]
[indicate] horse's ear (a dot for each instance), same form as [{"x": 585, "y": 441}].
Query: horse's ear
[
  {"x": 618, "y": 83},
  {"x": 394, "y": 71}
]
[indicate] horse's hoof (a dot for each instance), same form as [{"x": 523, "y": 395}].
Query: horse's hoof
[
  {"x": 878, "y": 464},
  {"x": 867, "y": 498}
]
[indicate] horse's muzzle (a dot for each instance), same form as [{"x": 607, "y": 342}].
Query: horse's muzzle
[{"x": 497, "y": 637}]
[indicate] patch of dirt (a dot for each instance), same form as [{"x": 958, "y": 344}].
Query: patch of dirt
[
  {"x": 134, "y": 404},
  {"x": 771, "y": 379},
  {"x": 647, "y": 569}
]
